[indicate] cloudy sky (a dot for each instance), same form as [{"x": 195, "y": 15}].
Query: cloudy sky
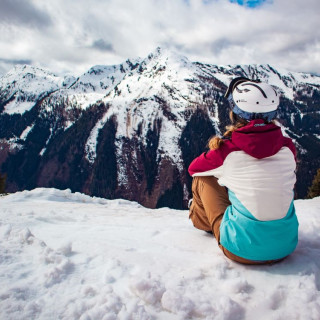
[{"x": 70, "y": 36}]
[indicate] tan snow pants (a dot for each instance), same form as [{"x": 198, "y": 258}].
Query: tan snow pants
[{"x": 209, "y": 203}]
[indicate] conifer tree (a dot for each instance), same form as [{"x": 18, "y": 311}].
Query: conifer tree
[
  {"x": 314, "y": 190},
  {"x": 2, "y": 182}
]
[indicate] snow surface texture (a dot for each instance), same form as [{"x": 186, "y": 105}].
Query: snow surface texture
[{"x": 70, "y": 256}]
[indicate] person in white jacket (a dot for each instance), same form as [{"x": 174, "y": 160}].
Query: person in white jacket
[{"x": 243, "y": 187}]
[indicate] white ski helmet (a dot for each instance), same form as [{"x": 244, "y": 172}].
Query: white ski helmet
[{"x": 252, "y": 99}]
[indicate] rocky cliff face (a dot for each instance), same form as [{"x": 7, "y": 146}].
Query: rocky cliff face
[{"x": 131, "y": 130}]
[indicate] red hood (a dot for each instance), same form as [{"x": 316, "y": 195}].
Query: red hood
[{"x": 257, "y": 139}]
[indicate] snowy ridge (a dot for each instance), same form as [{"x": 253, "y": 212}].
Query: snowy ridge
[
  {"x": 25, "y": 85},
  {"x": 285, "y": 80},
  {"x": 162, "y": 71},
  {"x": 70, "y": 256},
  {"x": 92, "y": 86}
]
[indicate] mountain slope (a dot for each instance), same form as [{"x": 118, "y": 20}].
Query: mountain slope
[{"x": 131, "y": 130}]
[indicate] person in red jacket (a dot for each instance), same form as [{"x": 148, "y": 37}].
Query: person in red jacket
[{"x": 243, "y": 186}]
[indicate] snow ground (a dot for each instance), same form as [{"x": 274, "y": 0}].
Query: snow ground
[{"x": 68, "y": 256}]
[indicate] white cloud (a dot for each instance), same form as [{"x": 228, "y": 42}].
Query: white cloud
[{"x": 66, "y": 35}]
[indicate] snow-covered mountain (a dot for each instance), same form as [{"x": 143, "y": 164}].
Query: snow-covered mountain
[
  {"x": 23, "y": 86},
  {"x": 131, "y": 130},
  {"x": 69, "y": 256}
]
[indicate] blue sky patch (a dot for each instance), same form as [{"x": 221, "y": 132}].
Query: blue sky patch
[{"x": 250, "y": 3}]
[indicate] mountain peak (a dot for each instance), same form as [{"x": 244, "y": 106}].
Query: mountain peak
[
  {"x": 22, "y": 69},
  {"x": 165, "y": 54}
]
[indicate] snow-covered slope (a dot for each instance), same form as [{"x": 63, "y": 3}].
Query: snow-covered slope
[
  {"x": 68, "y": 256},
  {"x": 25, "y": 85}
]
